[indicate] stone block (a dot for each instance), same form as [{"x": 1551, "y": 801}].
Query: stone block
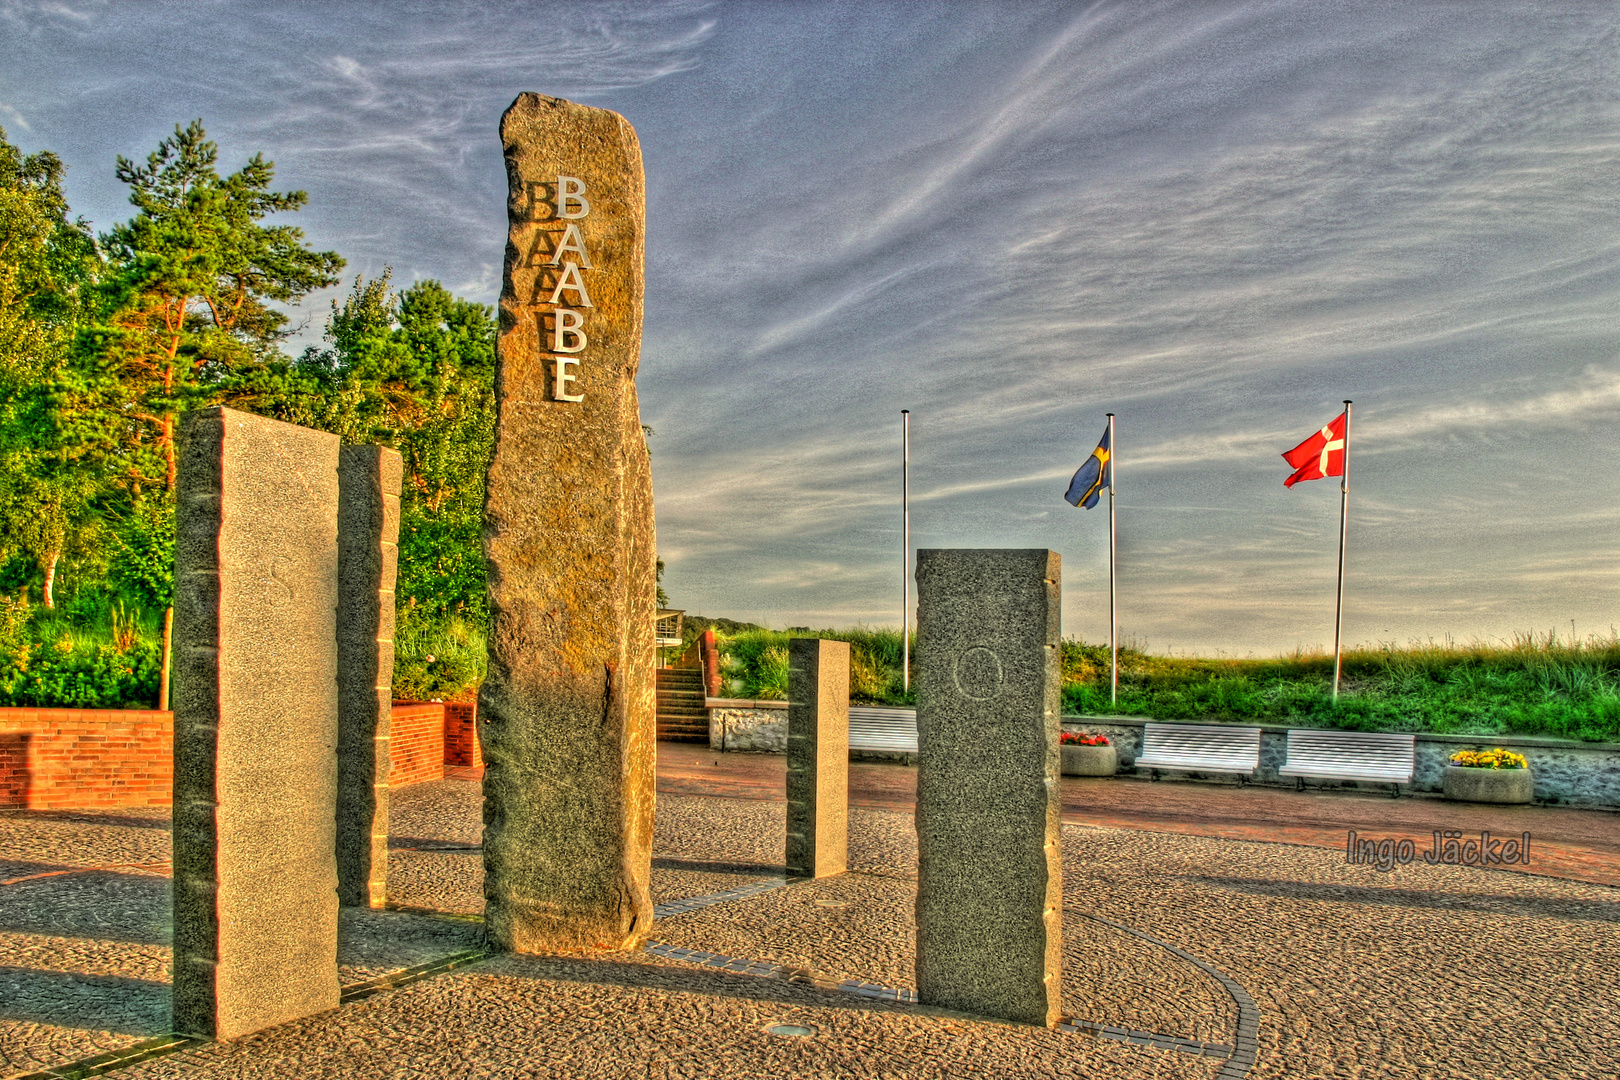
[
  {"x": 255, "y": 746},
  {"x": 369, "y": 479},
  {"x": 990, "y": 876},
  {"x": 817, "y": 758},
  {"x": 566, "y": 715}
]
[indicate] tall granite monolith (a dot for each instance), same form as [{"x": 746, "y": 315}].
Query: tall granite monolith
[
  {"x": 990, "y": 873},
  {"x": 255, "y": 733},
  {"x": 369, "y": 480},
  {"x": 566, "y": 712},
  {"x": 818, "y": 758}
]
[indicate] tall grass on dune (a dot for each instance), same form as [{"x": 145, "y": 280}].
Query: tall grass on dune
[
  {"x": 755, "y": 664},
  {"x": 1532, "y": 684}
]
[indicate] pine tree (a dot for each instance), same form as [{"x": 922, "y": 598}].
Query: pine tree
[{"x": 186, "y": 311}]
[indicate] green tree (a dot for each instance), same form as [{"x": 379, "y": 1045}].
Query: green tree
[
  {"x": 415, "y": 371},
  {"x": 47, "y": 263},
  {"x": 186, "y": 317}
]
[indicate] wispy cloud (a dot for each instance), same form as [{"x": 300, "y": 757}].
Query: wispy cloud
[{"x": 1214, "y": 220}]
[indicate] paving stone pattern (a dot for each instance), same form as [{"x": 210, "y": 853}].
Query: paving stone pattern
[{"x": 1449, "y": 972}]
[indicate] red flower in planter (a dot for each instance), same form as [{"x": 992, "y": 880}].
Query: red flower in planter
[{"x": 1072, "y": 738}]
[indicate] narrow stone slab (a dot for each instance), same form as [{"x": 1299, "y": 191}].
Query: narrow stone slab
[
  {"x": 990, "y": 872},
  {"x": 818, "y": 758},
  {"x": 255, "y": 762},
  {"x": 369, "y": 479},
  {"x": 566, "y": 712}
]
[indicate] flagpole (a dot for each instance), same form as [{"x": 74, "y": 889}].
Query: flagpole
[
  {"x": 905, "y": 551},
  {"x": 1113, "y": 543},
  {"x": 1344, "y": 508}
]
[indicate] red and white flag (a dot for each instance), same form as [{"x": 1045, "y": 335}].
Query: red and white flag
[{"x": 1320, "y": 456}]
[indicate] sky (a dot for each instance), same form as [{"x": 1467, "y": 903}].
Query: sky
[{"x": 1216, "y": 220}]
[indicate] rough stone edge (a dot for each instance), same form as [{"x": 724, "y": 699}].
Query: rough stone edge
[
  {"x": 198, "y": 491},
  {"x": 369, "y": 479}
]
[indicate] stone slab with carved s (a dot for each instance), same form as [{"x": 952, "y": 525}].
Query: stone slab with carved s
[
  {"x": 255, "y": 763},
  {"x": 566, "y": 714},
  {"x": 989, "y": 874}
]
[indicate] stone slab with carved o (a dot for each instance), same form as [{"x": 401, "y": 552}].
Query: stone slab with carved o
[{"x": 989, "y": 875}]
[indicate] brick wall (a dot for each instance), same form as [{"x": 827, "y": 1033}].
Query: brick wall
[
  {"x": 94, "y": 759},
  {"x": 461, "y": 749},
  {"x": 84, "y": 759},
  {"x": 416, "y": 743}
]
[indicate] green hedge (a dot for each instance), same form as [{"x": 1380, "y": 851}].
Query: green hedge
[{"x": 82, "y": 676}]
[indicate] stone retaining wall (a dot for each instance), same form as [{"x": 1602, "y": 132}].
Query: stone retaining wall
[
  {"x": 760, "y": 727},
  {"x": 1566, "y": 773},
  {"x": 756, "y": 726}
]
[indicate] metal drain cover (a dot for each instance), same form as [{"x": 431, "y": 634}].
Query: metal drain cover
[{"x": 792, "y": 1031}]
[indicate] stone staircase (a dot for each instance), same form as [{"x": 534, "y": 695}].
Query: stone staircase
[{"x": 681, "y": 713}]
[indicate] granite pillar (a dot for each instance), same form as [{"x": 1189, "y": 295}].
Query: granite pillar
[
  {"x": 255, "y": 739},
  {"x": 990, "y": 874},
  {"x": 566, "y": 712},
  {"x": 817, "y": 758},
  {"x": 369, "y": 480}
]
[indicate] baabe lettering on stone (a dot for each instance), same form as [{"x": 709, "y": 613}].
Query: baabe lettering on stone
[{"x": 566, "y": 712}]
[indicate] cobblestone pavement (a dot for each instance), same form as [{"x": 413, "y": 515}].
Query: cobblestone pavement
[
  {"x": 1579, "y": 844},
  {"x": 1421, "y": 971}
]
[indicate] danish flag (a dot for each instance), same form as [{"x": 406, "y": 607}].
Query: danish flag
[{"x": 1320, "y": 456}]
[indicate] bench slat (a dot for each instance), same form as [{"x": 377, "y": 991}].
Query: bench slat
[
  {"x": 1350, "y": 755},
  {"x": 872, "y": 728},
  {"x": 1200, "y": 748}
]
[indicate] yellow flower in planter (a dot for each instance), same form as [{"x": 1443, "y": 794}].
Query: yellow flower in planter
[{"x": 1489, "y": 759}]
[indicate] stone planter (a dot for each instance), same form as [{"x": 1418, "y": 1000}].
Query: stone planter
[
  {"x": 1089, "y": 760},
  {"x": 1487, "y": 785}
]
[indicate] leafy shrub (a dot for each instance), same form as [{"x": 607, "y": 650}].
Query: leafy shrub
[
  {"x": 73, "y": 675},
  {"x": 142, "y": 565},
  {"x": 440, "y": 657}
]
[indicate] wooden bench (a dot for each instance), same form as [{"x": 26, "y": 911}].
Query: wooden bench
[
  {"x": 1383, "y": 757},
  {"x": 1200, "y": 748},
  {"x": 882, "y": 729}
]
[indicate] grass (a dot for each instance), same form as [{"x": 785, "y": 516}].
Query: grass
[
  {"x": 754, "y": 664},
  {"x": 443, "y": 659},
  {"x": 1530, "y": 685}
]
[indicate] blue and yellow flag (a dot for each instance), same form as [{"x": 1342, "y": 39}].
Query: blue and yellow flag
[{"x": 1092, "y": 477}]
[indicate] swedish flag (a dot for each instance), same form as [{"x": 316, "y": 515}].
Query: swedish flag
[{"x": 1092, "y": 477}]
